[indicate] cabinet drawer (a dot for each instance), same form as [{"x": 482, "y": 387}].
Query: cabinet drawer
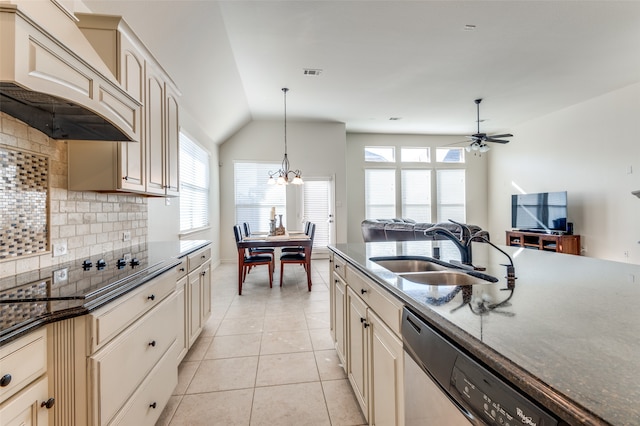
[
  {"x": 181, "y": 269},
  {"x": 24, "y": 408},
  {"x": 146, "y": 405},
  {"x": 198, "y": 258},
  {"x": 107, "y": 322},
  {"x": 118, "y": 368},
  {"x": 385, "y": 306},
  {"x": 340, "y": 267},
  {"x": 23, "y": 360}
]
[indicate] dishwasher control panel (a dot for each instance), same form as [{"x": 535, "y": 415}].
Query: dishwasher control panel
[{"x": 493, "y": 400}]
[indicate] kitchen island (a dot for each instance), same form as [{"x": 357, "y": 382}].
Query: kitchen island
[{"x": 567, "y": 334}]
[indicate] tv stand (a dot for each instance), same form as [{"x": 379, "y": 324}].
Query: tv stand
[{"x": 569, "y": 244}]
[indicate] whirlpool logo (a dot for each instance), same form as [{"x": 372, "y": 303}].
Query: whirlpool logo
[{"x": 526, "y": 420}]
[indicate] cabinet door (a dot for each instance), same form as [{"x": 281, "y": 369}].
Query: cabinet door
[
  {"x": 172, "y": 161},
  {"x": 205, "y": 291},
  {"x": 25, "y": 408},
  {"x": 340, "y": 300},
  {"x": 183, "y": 318},
  {"x": 155, "y": 132},
  {"x": 195, "y": 306},
  {"x": 132, "y": 153},
  {"x": 386, "y": 369},
  {"x": 357, "y": 357}
]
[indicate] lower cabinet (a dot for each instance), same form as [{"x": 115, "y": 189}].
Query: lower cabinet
[
  {"x": 118, "y": 364},
  {"x": 24, "y": 384},
  {"x": 366, "y": 333},
  {"x": 194, "y": 293}
]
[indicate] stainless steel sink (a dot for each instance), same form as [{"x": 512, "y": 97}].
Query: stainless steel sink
[
  {"x": 446, "y": 277},
  {"x": 400, "y": 264}
]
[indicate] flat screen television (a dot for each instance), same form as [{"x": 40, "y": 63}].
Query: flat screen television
[{"x": 539, "y": 212}]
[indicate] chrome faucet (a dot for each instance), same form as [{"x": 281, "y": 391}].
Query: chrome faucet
[{"x": 463, "y": 243}]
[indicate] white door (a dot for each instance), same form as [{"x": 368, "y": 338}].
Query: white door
[{"x": 317, "y": 207}]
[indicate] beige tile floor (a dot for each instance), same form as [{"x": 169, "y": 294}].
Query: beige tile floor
[{"x": 264, "y": 358}]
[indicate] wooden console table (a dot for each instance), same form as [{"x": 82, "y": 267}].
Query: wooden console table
[{"x": 569, "y": 244}]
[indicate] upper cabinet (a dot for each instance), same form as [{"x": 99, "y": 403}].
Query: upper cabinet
[{"x": 150, "y": 167}]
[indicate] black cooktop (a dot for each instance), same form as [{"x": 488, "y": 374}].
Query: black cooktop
[{"x": 77, "y": 284}]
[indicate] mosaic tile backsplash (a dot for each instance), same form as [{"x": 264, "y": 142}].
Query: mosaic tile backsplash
[
  {"x": 24, "y": 191},
  {"x": 89, "y": 223}
]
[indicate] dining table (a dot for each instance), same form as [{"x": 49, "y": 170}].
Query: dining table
[{"x": 261, "y": 240}]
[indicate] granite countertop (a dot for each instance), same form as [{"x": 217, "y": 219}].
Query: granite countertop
[
  {"x": 35, "y": 298},
  {"x": 568, "y": 334}
]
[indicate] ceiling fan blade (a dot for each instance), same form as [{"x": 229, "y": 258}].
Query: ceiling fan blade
[
  {"x": 496, "y": 140},
  {"x": 506, "y": 135}
]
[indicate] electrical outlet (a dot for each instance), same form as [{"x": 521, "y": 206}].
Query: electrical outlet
[
  {"x": 61, "y": 275},
  {"x": 60, "y": 249},
  {"x": 126, "y": 236},
  {"x": 626, "y": 253}
]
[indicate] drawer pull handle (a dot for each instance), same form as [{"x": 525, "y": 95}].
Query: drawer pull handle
[
  {"x": 363, "y": 291},
  {"x": 152, "y": 297},
  {"x": 364, "y": 322},
  {"x": 203, "y": 273},
  {"x": 48, "y": 403},
  {"x": 181, "y": 269},
  {"x": 5, "y": 380},
  {"x": 153, "y": 405},
  {"x": 152, "y": 343},
  {"x": 203, "y": 257}
]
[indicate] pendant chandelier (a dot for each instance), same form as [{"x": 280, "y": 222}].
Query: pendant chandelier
[{"x": 284, "y": 175}]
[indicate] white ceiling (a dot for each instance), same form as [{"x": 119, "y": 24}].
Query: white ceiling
[{"x": 380, "y": 59}]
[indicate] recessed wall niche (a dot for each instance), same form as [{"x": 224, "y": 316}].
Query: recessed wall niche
[{"x": 24, "y": 201}]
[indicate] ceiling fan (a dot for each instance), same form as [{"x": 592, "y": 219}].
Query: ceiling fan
[{"x": 479, "y": 140}]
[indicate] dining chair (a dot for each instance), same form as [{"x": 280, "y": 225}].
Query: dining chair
[
  {"x": 297, "y": 249},
  {"x": 251, "y": 260},
  {"x": 298, "y": 257},
  {"x": 259, "y": 250}
]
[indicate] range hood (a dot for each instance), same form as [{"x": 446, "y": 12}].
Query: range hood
[{"x": 56, "y": 84}]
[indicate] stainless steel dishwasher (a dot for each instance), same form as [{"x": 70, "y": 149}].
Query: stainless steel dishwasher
[{"x": 445, "y": 386}]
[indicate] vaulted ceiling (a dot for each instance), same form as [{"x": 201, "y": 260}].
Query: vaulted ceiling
[{"x": 421, "y": 63}]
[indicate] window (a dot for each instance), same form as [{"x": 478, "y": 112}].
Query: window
[
  {"x": 450, "y": 155},
  {"x": 194, "y": 185},
  {"x": 451, "y": 195},
  {"x": 416, "y": 194},
  {"x": 317, "y": 210},
  {"x": 380, "y": 154},
  {"x": 427, "y": 192},
  {"x": 380, "y": 193},
  {"x": 254, "y": 198},
  {"x": 414, "y": 155}
]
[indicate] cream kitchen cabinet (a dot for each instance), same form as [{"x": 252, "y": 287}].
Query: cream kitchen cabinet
[
  {"x": 24, "y": 390},
  {"x": 117, "y": 364},
  {"x": 338, "y": 304},
  {"x": 373, "y": 349},
  {"x": 151, "y": 166},
  {"x": 193, "y": 291}
]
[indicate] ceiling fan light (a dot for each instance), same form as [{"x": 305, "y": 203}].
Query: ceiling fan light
[
  {"x": 475, "y": 146},
  {"x": 484, "y": 148},
  {"x": 468, "y": 148}
]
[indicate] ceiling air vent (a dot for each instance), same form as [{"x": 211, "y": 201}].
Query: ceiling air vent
[{"x": 312, "y": 72}]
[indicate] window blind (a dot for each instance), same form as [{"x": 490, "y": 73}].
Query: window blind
[
  {"x": 416, "y": 194},
  {"x": 316, "y": 209},
  {"x": 380, "y": 193},
  {"x": 451, "y": 195},
  {"x": 254, "y": 198},
  {"x": 194, "y": 185}
]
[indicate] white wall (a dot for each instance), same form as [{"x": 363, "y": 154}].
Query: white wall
[
  {"x": 587, "y": 150},
  {"x": 476, "y": 177},
  {"x": 317, "y": 149}
]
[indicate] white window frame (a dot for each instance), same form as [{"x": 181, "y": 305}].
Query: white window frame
[{"x": 194, "y": 185}]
